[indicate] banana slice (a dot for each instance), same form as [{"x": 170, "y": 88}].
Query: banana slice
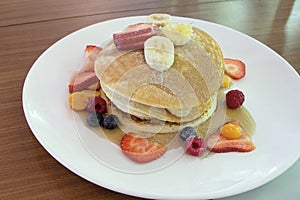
[
  {"x": 159, "y": 19},
  {"x": 159, "y": 53},
  {"x": 79, "y": 100},
  {"x": 178, "y": 33}
]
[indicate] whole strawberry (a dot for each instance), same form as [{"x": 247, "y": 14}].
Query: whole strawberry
[{"x": 235, "y": 99}]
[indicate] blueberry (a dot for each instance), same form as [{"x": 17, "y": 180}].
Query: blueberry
[
  {"x": 94, "y": 119},
  {"x": 186, "y": 132},
  {"x": 110, "y": 121}
]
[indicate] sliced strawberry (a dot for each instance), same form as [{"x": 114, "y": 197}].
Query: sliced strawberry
[
  {"x": 130, "y": 46},
  {"x": 234, "y": 68},
  {"x": 140, "y": 149},
  {"x": 88, "y": 65},
  {"x": 92, "y": 52},
  {"x": 82, "y": 80},
  {"x": 219, "y": 144},
  {"x": 134, "y": 36},
  {"x": 140, "y": 26}
]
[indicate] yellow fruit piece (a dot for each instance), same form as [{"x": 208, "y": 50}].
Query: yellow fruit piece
[
  {"x": 79, "y": 100},
  {"x": 179, "y": 34},
  {"x": 184, "y": 29},
  {"x": 226, "y": 81},
  {"x": 160, "y": 19},
  {"x": 230, "y": 131},
  {"x": 90, "y": 93}
]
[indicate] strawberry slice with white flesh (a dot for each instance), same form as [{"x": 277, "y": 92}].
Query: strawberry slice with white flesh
[
  {"x": 234, "y": 68},
  {"x": 139, "y": 26},
  {"x": 82, "y": 81},
  {"x": 219, "y": 144},
  {"x": 89, "y": 65},
  {"x": 134, "y": 36},
  {"x": 92, "y": 52},
  {"x": 140, "y": 149}
]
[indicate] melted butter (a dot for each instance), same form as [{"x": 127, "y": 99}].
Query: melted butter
[{"x": 220, "y": 116}]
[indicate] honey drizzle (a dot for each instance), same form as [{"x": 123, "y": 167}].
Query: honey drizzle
[{"x": 221, "y": 116}]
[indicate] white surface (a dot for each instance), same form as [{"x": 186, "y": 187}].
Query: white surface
[
  {"x": 272, "y": 94},
  {"x": 285, "y": 186}
]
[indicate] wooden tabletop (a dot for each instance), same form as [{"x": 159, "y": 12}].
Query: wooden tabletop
[{"x": 27, "y": 28}]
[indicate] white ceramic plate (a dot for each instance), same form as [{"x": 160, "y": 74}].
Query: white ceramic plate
[{"x": 272, "y": 97}]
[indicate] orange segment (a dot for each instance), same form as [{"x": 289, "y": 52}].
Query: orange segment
[
  {"x": 226, "y": 81},
  {"x": 230, "y": 131}
]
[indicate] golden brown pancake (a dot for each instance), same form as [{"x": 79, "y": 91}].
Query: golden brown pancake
[
  {"x": 143, "y": 111},
  {"x": 131, "y": 123},
  {"x": 150, "y": 126},
  {"x": 190, "y": 85}
]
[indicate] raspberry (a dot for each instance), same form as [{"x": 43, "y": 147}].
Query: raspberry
[
  {"x": 96, "y": 104},
  {"x": 195, "y": 146},
  {"x": 235, "y": 99}
]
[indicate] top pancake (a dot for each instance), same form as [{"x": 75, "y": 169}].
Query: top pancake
[{"x": 194, "y": 77}]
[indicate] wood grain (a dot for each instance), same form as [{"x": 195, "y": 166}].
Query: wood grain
[
  {"x": 27, "y": 28},
  {"x": 14, "y": 12}
]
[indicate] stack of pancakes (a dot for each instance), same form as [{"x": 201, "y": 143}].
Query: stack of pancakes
[{"x": 150, "y": 101}]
